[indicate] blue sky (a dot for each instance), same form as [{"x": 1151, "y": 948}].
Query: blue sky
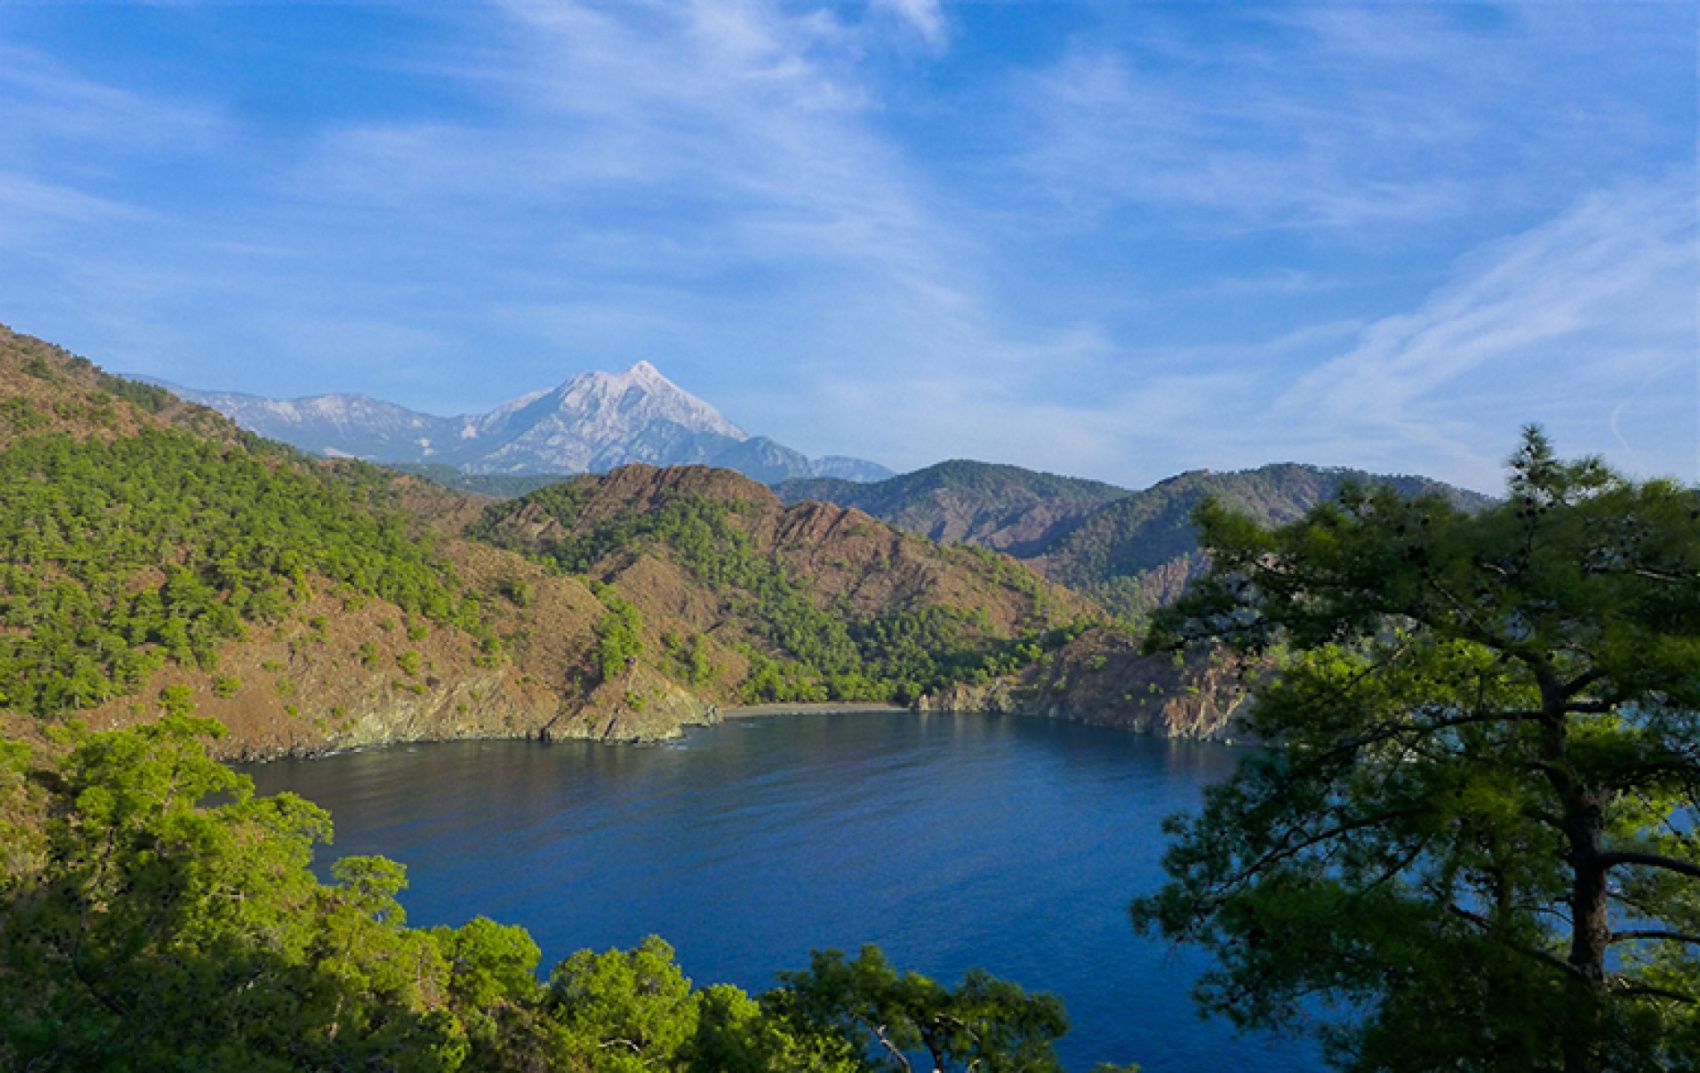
[{"x": 1116, "y": 240}]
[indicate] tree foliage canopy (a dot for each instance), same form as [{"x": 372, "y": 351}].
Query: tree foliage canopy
[
  {"x": 985, "y": 1024},
  {"x": 1474, "y": 830},
  {"x": 119, "y": 556}
]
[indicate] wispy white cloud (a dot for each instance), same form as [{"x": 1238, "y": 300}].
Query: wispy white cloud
[
  {"x": 49, "y": 103},
  {"x": 1115, "y": 133},
  {"x": 1395, "y": 115},
  {"x": 1587, "y": 323},
  {"x": 744, "y": 121},
  {"x": 1566, "y": 321},
  {"x": 1284, "y": 282},
  {"x": 925, "y": 16},
  {"x": 29, "y": 206},
  {"x": 660, "y": 150},
  {"x": 63, "y": 141}
]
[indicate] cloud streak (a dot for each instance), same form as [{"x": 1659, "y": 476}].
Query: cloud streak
[
  {"x": 1395, "y": 115},
  {"x": 1564, "y": 318}
]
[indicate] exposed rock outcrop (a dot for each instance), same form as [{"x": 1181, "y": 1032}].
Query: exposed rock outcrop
[
  {"x": 360, "y": 609},
  {"x": 1104, "y": 679},
  {"x": 638, "y": 706}
]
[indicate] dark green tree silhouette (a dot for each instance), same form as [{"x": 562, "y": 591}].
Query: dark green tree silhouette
[{"x": 1475, "y": 827}]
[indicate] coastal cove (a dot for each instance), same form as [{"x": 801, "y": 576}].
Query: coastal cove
[{"x": 952, "y": 840}]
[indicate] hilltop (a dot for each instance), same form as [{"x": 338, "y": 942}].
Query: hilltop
[
  {"x": 1137, "y": 553},
  {"x": 158, "y": 555},
  {"x": 150, "y": 545},
  {"x": 808, "y": 602},
  {"x": 1005, "y": 508}
]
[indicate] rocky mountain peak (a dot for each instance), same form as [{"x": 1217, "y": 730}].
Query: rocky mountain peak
[
  {"x": 592, "y": 422},
  {"x": 603, "y": 407}
]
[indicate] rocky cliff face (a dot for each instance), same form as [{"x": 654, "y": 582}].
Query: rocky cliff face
[
  {"x": 639, "y": 706},
  {"x": 1103, "y": 678}
]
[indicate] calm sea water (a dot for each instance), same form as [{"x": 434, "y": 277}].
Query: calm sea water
[{"x": 949, "y": 840}]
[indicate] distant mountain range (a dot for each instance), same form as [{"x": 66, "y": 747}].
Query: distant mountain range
[
  {"x": 592, "y": 423},
  {"x": 1131, "y": 551}
]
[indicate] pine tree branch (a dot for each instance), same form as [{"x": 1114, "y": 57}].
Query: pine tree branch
[
  {"x": 1633, "y": 934},
  {"x": 1539, "y": 955},
  {"x": 1651, "y": 860}
]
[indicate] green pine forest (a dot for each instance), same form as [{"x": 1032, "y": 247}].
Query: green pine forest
[
  {"x": 810, "y": 652},
  {"x": 237, "y": 537}
]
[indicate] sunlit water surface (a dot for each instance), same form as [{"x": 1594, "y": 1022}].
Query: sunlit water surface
[{"x": 949, "y": 840}]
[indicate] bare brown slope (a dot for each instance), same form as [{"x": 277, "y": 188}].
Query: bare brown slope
[
  {"x": 341, "y": 669},
  {"x": 839, "y": 556},
  {"x": 46, "y": 388},
  {"x": 338, "y": 669},
  {"x": 340, "y": 675}
]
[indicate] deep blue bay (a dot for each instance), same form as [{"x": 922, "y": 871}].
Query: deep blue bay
[{"x": 950, "y": 840}]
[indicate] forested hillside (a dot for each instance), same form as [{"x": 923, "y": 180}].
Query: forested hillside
[
  {"x": 151, "y": 548},
  {"x": 812, "y": 602},
  {"x": 1137, "y": 553},
  {"x": 155, "y": 556}
]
